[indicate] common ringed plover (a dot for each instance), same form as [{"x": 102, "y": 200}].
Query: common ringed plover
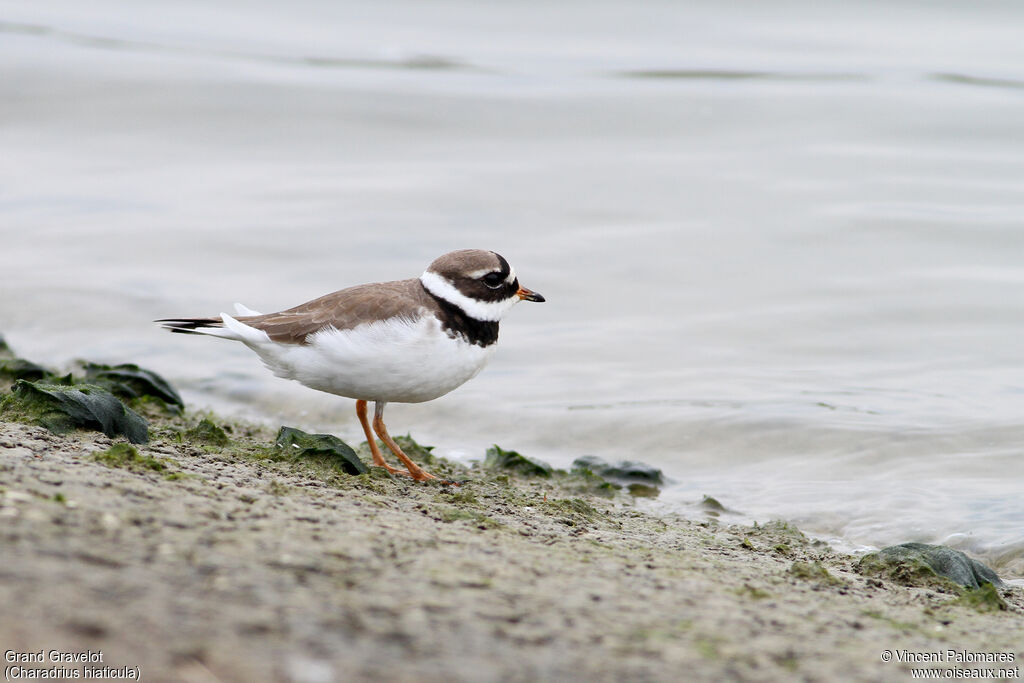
[{"x": 406, "y": 341}]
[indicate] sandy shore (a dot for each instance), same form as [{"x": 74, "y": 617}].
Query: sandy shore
[{"x": 223, "y": 563}]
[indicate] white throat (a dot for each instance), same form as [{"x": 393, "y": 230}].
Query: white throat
[{"x": 487, "y": 311}]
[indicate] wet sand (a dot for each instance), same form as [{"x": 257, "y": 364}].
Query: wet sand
[{"x": 218, "y": 563}]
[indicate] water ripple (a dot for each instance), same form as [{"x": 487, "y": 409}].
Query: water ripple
[
  {"x": 424, "y": 62},
  {"x": 737, "y": 75},
  {"x": 985, "y": 82}
]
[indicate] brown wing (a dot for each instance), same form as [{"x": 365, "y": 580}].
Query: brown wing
[{"x": 343, "y": 310}]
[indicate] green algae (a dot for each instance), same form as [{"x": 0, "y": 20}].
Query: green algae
[
  {"x": 96, "y": 401},
  {"x": 129, "y": 381},
  {"x": 781, "y": 536},
  {"x": 919, "y": 564},
  {"x": 583, "y": 481},
  {"x": 814, "y": 571},
  {"x": 323, "y": 449},
  {"x": 578, "y": 506},
  {"x": 711, "y": 506},
  {"x": 499, "y": 458},
  {"x": 375, "y": 472},
  {"x": 13, "y": 368},
  {"x": 604, "y": 489},
  {"x": 207, "y": 432},
  {"x": 18, "y": 368},
  {"x": 477, "y": 519},
  {"x": 127, "y": 457},
  {"x": 779, "y": 526},
  {"x": 277, "y": 489},
  {"x": 61, "y": 408},
  {"x": 623, "y": 472},
  {"x": 905, "y": 572},
  {"x": 643, "y": 491},
  {"x": 671, "y": 631},
  {"x": 894, "y": 623},
  {"x": 606, "y": 479},
  {"x": 786, "y": 660},
  {"x": 985, "y": 598},
  {"x": 573, "y": 511},
  {"x": 708, "y": 647},
  {"x": 752, "y": 592},
  {"x": 462, "y": 497}
]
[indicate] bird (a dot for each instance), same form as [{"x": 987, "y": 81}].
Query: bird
[{"x": 404, "y": 341}]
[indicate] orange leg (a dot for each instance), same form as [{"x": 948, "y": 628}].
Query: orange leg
[
  {"x": 415, "y": 471},
  {"x": 378, "y": 459}
]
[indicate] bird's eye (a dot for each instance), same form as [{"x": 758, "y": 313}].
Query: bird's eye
[{"x": 493, "y": 279}]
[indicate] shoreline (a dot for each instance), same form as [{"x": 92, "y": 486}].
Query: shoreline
[{"x": 205, "y": 559}]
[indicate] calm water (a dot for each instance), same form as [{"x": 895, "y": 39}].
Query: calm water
[{"x": 782, "y": 243}]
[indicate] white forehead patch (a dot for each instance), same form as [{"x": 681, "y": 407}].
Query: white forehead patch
[
  {"x": 489, "y": 311},
  {"x": 484, "y": 271}
]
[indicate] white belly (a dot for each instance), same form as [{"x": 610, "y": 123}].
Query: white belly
[{"x": 396, "y": 360}]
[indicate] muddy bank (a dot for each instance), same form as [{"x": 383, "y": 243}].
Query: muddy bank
[{"x": 209, "y": 556}]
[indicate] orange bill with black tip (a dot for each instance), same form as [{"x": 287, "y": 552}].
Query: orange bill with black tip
[{"x": 525, "y": 294}]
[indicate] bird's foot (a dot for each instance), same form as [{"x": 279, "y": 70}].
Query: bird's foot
[
  {"x": 420, "y": 474},
  {"x": 393, "y": 470}
]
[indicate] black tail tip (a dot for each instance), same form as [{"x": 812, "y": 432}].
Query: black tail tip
[{"x": 188, "y": 325}]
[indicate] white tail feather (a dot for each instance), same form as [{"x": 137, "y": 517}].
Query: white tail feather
[
  {"x": 242, "y": 309},
  {"x": 234, "y": 329}
]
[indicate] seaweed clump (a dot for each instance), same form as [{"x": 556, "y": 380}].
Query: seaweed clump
[
  {"x": 62, "y": 408},
  {"x": 640, "y": 479},
  {"x": 589, "y": 474},
  {"x": 323, "y": 448},
  {"x": 625, "y": 471},
  {"x": 105, "y": 399},
  {"x": 936, "y": 566},
  {"x": 18, "y": 368},
  {"x": 499, "y": 458},
  {"x": 129, "y": 381}
]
